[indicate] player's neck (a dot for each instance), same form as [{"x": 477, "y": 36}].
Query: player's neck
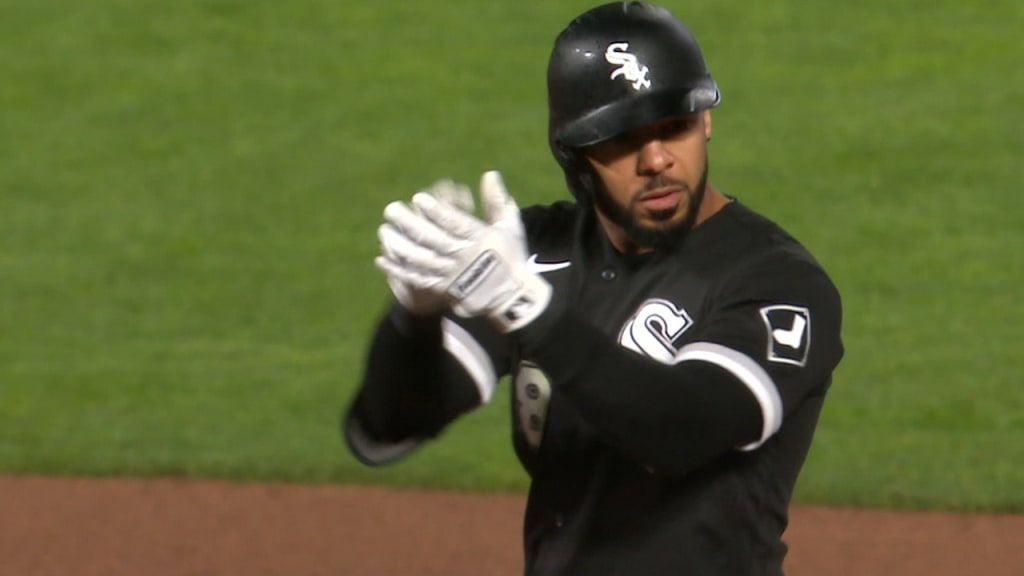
[{"x": 713, "y": 202}]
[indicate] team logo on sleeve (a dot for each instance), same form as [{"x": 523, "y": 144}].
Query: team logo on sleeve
[{"x": 789, "y": 333}]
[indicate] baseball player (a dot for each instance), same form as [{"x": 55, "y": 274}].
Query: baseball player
[{"x": 668, "y": 349}]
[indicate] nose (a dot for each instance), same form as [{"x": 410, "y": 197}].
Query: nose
[{"x": 654, "y": 158}]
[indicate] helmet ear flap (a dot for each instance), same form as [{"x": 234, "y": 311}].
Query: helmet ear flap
[
  {"x": 579, "y": 175},
  {"x": 563, "y": 154}
]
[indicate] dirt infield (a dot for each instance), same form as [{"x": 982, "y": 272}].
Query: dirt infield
[{"x": 106, "y": 527}]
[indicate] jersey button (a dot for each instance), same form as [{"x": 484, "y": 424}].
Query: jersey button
[{"x": 608, "y": 274}]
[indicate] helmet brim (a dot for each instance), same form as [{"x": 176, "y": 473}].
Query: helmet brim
[{"x": 629, "y": 114}]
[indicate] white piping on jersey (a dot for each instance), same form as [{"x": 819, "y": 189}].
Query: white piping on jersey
[
  {"x": 472, "y": 356},
  {"x": 747, "y": 371}
]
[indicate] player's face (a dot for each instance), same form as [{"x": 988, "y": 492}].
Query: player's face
[{"x": 653, "y": 178}]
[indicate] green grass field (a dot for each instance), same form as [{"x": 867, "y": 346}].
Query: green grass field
[{"x": 189, "y": 193}]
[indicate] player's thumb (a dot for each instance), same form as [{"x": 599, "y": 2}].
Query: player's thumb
[{"x": 497, "y": 204}]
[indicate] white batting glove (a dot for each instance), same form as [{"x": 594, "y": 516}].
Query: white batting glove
[
  {"x": 417, "y": 300},
  {"x": 479, "y": 265}
]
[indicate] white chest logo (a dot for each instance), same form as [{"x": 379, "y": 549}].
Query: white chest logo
[
  {"x": 655, "y": 329},
  {"x": 628, "y": 66}
]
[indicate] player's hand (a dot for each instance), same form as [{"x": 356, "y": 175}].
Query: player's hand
[
  {"x": 479, "y": 265},
  {"x": 418, "y": 300}
]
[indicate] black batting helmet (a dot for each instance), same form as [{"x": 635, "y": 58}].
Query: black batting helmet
[{"x": 619, "y": 67}]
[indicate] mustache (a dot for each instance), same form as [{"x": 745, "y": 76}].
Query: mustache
[{"x": 658, "y": 182}]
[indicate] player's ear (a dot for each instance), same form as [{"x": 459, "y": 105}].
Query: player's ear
[{"x": 707, "y": 124}]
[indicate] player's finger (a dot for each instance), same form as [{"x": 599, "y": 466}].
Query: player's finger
[
  {"x": 498, "y": 205},
  {"x": 453, "y": 193},
  {"x": 418, "y": 228},
  {"x": 410, "y": 276},
  {"x": 398, "y": 247},
  {"x": 447, "y": 217}
]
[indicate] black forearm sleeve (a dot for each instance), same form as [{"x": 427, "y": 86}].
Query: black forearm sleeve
[
  {"x": 670, "y": 418},
  {"x": 411, "y": 388}
]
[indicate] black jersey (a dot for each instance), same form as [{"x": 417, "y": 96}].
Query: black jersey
[{"x": 663, "y": 405}]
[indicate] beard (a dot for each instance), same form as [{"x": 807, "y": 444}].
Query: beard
[{"x": 664, "y": 235}]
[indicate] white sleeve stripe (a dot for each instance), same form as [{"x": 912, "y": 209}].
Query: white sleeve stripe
[
  {"x": 747, "y": 371},
  {"x": 472, "y": 356}
]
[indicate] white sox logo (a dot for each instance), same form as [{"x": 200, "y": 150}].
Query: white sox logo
[
  {"x": 628, "y": 66},
  {"x": 655, "y": 330}
]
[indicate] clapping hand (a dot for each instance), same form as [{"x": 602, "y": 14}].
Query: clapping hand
[{"x": 437, "y": 252}]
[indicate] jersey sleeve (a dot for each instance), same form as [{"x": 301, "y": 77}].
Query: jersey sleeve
[
  {"x": 767, "y": 339},
  {"x": 421, "y": 373},
  {"x": 776, "y": 328}
]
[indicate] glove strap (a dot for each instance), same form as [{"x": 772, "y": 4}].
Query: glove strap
[{"x": 525, "y": 306}]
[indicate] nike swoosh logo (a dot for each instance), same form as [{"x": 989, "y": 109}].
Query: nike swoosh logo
[
  {"x": 542, "y": 267},
  {"x": 792, "y": 337}
]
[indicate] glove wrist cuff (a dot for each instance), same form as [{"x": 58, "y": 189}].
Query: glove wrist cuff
[{"x": 529, "y": 302}]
